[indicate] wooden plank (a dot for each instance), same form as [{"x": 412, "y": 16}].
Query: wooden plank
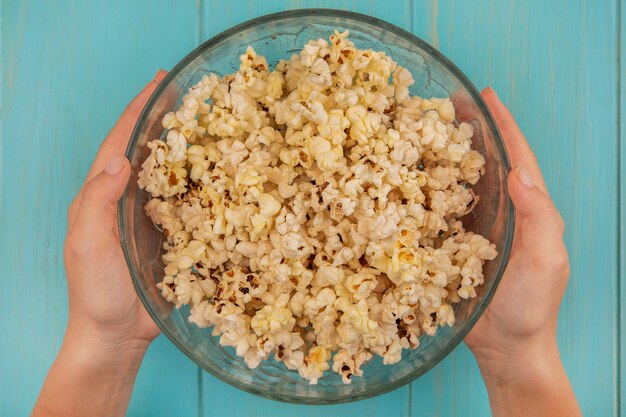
[
  {"x": 238, "y": 403},
  {"x": 69, "y": 69},
  {"x": 545, "y": 61},
  {"x": 621, "y": 302},
  {"x": 219, "y": 15}
]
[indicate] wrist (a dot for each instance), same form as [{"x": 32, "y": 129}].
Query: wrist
[
  {"x": 100, "y": 347},
  {"x": 525, "y": 362},
  {"x": 91, "y": 372},
  {"x": 529, "y": 380}
]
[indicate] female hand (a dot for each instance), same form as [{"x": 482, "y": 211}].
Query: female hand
[
  {"x": 514, "y": 341},
  {"x": 108, "y": 329},
  {"x": 103, "y": 302}
]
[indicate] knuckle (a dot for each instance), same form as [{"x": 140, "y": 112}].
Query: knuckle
[
  {"x": 115, "y": 142},
  {"x": 71, "y": 210},
  {"x": 554, "y": 216},
  {"x": 90, "y": 191},
  {"x": 555, "y": 260},
  {"x": 105, "y": 146},
  {"x": 79, "y": 245},
  {"x": 545, "y": 203},
  {"x": 558, "y": 262},
  {"x": 557, "y": 218},
  {"x": 73, "y": 249},
  {"x": 561, "y": 261}
]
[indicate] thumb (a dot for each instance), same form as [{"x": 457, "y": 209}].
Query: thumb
[
  {"x": 538, "y": 217},
  {"x": 98, "y": 206}
]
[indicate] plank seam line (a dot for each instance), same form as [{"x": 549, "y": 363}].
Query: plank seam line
[
  {"x": 620, "y": 223},
  {"x": 412, "y": 16},
  {"x": 200, "y": 24},
  {"x": 3, "y": 81},
  {"x": 410, "y": 401},
  {"x": 200, "y": 394},
  {"x": 2, "y": 108}
]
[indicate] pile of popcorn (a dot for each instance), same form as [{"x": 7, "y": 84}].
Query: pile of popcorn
[{"x": 312, "y": 211}]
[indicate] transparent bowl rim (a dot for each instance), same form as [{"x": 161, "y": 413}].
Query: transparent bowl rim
[{"x": 476, "y": 97}]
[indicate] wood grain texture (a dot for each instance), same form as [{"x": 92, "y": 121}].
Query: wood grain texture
[
  {"x": 556, "y": 69},
  {"x": 69, "y": 70},
  {"x": 219, "y": 15},
  {"x": 621, "y": 387}
]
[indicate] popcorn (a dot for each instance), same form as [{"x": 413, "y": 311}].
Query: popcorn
[
  {"x": 177, "y": 144},
  {"x": 349, "y": 365},
  {"x": 272, "y": 318},
  {"x": 311, "y": 211},
  {"x": 361, "y": 284},
  {"x": 328, "y": 275},
  {"x": 315, "y": 363},
  {"x": 294, "y": 246}
]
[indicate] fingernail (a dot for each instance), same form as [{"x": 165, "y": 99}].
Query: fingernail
[
  {"x": 524, "y": 177},
  {"x": 492, "y": 91},
  {"x": 115, "y": 165}
]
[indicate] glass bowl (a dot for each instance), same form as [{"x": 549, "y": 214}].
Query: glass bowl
[{"x": 278, "y": 36}]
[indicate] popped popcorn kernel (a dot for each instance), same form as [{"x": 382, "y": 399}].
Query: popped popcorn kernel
[{"x": 312, "y": 210}]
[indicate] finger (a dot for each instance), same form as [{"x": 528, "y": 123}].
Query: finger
[
  {"x": 117, "y": 139},
  {"x": 96, "y": 217},
  {"x": 516, "y": 144},
  {"x": 538, "y": 217},
  {"x": 464, "y": 108},
  {"x": 124, "y": 127},
  {"x": 539, "y": 231}
]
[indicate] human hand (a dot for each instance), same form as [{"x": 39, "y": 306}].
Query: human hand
[
  {"x": 104, "y": 308},
  {"x": 514, "y": 341},
  {"x": 108, "y": 329},
  {"x": 523, "y": 313}
]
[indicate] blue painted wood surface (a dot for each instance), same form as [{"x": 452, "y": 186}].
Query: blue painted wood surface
[
  {"x": 68, "y": 68},
  {"x": 621, "y": 246}
]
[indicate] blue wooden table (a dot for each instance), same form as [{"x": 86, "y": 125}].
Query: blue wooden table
[{"x": 68, "y": 68}]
